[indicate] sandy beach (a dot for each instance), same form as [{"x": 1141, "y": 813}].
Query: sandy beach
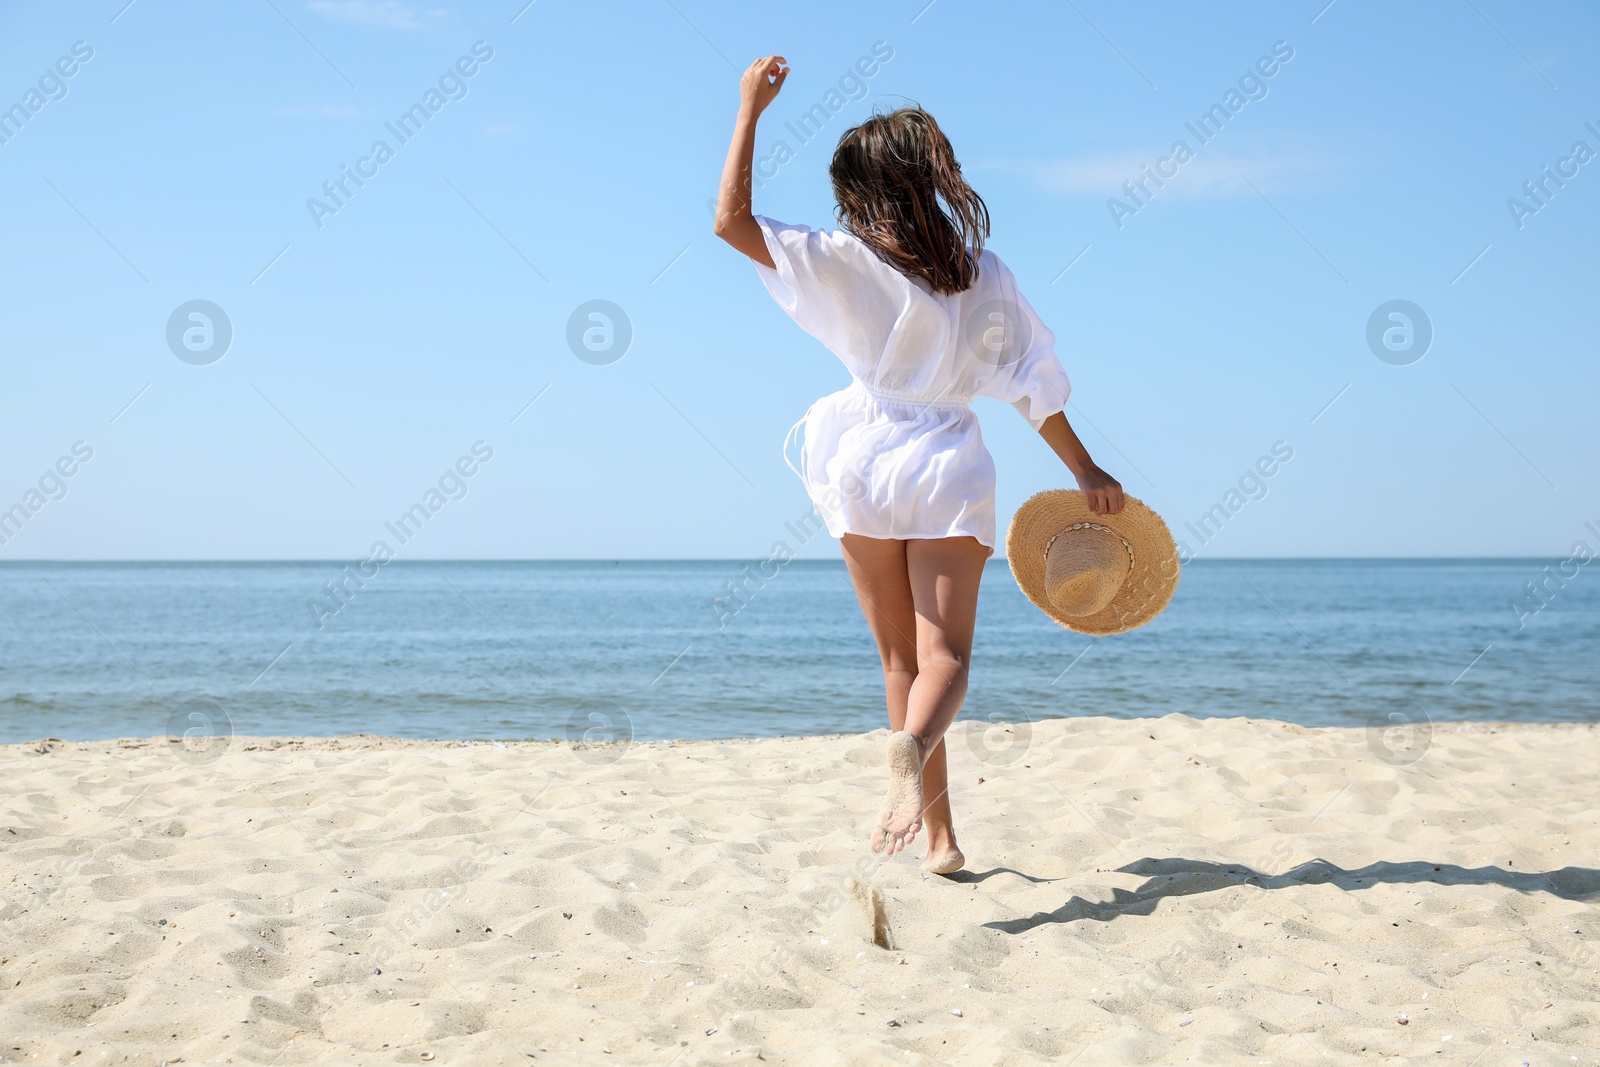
[{"x": 1169, "y": 890}]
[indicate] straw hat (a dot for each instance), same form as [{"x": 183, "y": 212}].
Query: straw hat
[{"x": 1096, "y": 574}]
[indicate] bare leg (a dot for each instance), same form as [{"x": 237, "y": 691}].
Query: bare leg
[
  {"x": 945, "y": 575},
  {"x": 881, "y": 572},
  {"x": 944, "y": 855},
  {"x": 883, "y": 586},
  {"x": 878, "y": 571}
]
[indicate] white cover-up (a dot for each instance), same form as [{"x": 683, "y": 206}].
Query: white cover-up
[{"x": 898, "y": 454}]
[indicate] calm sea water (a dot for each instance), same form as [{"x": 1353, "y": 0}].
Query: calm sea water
[{"x": 548, "y": 650}]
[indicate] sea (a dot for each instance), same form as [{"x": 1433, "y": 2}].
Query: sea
[{"x": 612, "y": 651}]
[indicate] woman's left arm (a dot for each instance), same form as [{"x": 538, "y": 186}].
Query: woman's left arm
[
  {"x": 735, "y": 223},
  {"x": 1103, "y": 492}
]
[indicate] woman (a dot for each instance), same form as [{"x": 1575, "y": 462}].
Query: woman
[{"x": 924, "y": 319}]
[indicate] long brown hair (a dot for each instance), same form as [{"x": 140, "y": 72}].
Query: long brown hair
[{"x": 890, "y": 175}]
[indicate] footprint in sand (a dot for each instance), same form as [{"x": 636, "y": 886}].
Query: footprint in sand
[{"x": 871, "y": 902}]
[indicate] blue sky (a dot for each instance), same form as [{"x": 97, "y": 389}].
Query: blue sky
[{"x": 369, "y": 353}]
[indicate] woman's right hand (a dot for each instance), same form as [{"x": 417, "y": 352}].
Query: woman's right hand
[{"x": 755, "y": 91}]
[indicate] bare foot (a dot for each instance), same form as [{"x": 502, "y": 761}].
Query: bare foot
[
  {"x": 901, "y": 816},
  {"x": 946, "y": 860}
]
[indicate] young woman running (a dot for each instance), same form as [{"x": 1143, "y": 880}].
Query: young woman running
[{"x": 924, "y": 318}]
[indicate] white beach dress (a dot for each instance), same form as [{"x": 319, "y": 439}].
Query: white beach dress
[{"x": 898, "y": 453}]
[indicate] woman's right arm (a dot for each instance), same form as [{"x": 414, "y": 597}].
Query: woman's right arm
[{"x": 735, "y": 223}]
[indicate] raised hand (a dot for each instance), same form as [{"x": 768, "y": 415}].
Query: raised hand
[{"x": 761, "y": 81}]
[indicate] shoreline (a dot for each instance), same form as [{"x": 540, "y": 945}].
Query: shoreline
[
  {"x": 1152, "y": 890},
  {"x": 365, "y": 741}
]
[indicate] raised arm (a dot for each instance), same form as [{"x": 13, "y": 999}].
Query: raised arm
[
  {"x": 735, "y": 224},
  {"x": 1103, "y": 492}
]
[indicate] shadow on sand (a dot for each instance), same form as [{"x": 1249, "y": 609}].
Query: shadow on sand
[
  {"x": 980, "y": 876},
  {"x": 1174, "y": 877}
]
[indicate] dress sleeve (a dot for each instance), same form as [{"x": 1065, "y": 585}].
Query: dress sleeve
[
  {"x": 1034, "y": 382},
  {"x": 814, "y": 279}
]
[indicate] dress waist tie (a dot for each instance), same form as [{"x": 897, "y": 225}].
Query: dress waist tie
[
  {"x": 858, "y": 386},
  {"x": 795, "y": 435}
]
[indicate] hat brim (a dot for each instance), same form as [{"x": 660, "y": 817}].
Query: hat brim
[{"x": 1150, "y": 582}]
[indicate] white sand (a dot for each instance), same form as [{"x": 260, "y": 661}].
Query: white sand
[{"x": 1161, "y": 891}]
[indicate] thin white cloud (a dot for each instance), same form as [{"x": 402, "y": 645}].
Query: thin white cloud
[
  {"x": 321, "y": 111},
  {"x": 1216, "y": 170},
  {"x": 388, "y": 13},
  {"x": 501, "y": 129}
]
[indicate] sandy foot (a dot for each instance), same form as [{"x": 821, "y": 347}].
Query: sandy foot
[
  {"x": 901, "y": 816},
  {"x": 944, "y": 861}
]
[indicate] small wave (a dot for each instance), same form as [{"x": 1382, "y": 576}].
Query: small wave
[{"x": 23, "y": 702}]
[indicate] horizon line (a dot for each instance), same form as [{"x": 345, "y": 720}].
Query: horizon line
[{"x": 744, "y": 559}]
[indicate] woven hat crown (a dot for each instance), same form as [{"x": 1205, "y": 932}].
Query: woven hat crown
[
  {"x": 1093, "y": 574},
  {"x": 1085, "y": 566}
]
